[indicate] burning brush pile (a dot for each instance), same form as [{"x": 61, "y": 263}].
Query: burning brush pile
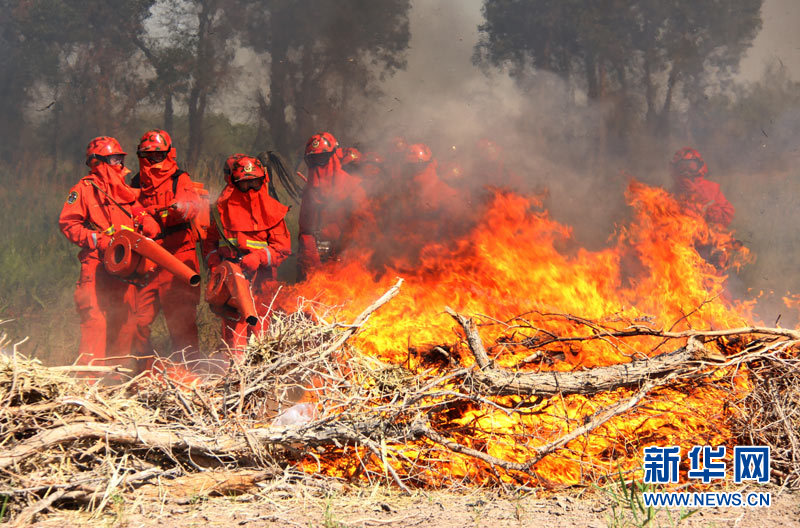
[{"x": 497, "y": 360}]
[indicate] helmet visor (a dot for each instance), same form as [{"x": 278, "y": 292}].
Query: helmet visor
[
  {"x": 249, "y": 184},
  {"x": 688, "y": 167},
  {"x": 318, "y": 160},
  {"x": 113, "y": 159},
  {"x": 153, "y": 156}
]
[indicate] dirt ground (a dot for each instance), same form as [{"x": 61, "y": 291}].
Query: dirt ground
[{"x": 304, "y": 506}]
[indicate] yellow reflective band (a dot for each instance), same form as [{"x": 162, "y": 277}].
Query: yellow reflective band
[
  {"x": 129, "y": 228},
  {"x": 231, "y": 240},
  {"x": 109, "y": 231},
  {"x": 256, "y": 244},
  {"x": 164, "y": 213}
]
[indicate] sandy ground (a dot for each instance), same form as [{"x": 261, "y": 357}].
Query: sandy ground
[{"x": 302, "y": 506}]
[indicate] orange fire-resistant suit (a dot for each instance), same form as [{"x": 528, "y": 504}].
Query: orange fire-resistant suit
[
  {"x": 696, "y": 192},
  {"x": 253, "y": 223},
  {"x": 104, "y": 303},
  {"x": 331, "y": 209},
  {"x": 705, "y": 197},
  {"x": 169, "y": 192}
]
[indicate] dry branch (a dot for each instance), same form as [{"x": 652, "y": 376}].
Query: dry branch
[
  {"x": 359, "y": 408},
  {"x": 686, "y": 361}
]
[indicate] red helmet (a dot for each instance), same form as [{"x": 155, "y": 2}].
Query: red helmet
[
  {"x": 418, "y": 153},
  {"x": 247, "y": 168},
  {"x": 102, "y": 146},
  {"x": 687, "y": 162},
  {"x": 321, "y": 143},
  {"x": 227, "y": 169},
  {"x": 351, "y": 155},
  {"x": 154, "y": 141}
]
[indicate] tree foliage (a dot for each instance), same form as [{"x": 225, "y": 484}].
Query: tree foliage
[
  {"x": 72, "y": 69},
  {"x": 325, "y": 60},
  {"x": 64, "y": 58},
  {"x": 643, "y": 52}
]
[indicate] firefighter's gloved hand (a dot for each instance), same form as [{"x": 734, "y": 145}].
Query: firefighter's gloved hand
[
  {"x": 186, "y": 209},
  {"x": 150, "y": 227},
  {"x": 145, "y": 223},
  {"x": 226, "y": 252},
  {"x": 103, "y": 241},
  {"x": 213, "y": 260},
  {"x": 252, "y": 261}
]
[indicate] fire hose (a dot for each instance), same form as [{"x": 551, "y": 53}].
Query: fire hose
[
  {"x": 131, "y": 254},
  {"x": 228, "y": 291}
]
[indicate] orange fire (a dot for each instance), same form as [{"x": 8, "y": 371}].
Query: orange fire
[{"x": 517, "y": 274}]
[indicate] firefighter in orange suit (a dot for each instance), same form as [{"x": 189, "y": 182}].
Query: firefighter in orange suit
[
  {"x": 169, "y": 194},
  {"x": 96, "y": 207},
  {"x": 332, "y": 203},
  {"x": 696, "y": 191},
  {"x": 430, "y": 191},
  {"x": 255, "y": 235},
  {"x": 698, "y": 194}
]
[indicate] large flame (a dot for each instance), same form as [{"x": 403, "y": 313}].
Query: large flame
[{"x": 517, "y": 270}]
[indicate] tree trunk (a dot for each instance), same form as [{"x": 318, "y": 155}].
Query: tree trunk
[
  {"x": 593, "y": 86},
  {"x": 664, "y": 118},
  {"x": 279, "y": 82},
  {"x": 649, "y": 93},
  {"x": 169, "y": 113},
  {"x": 203, "y": 72}
]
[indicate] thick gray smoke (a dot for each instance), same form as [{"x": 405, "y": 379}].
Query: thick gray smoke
[{"x": 550, "y": 138}]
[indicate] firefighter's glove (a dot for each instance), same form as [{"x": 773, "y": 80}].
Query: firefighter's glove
[
  {"x": 103, "y": 241},
  {"x": 186, "y": 209},
  {"x": 150, "y": 227},
  {"x": 253, "y": 260},
  {"x": 145, "y": 223},
  {"x": 227, "y": 253},
  {"x": 213, "y": 260}
]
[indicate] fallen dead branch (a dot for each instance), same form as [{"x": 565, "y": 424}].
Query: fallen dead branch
[
  {"x": 304, "y": 398},
  {"x": 770, "y": 414}
]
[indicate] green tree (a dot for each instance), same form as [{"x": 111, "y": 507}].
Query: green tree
[
  {"x": 66, "y": 67},
  {"x": 640, "y": 53},
  {"x": 191, "y": 51},
  {"x": 325, "y": 59}
]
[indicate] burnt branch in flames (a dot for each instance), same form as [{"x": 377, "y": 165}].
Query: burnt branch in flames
[
  {"x": 596, "y": 420},
  {"x": 691, "y": 360},
  {"x": 304, "y": 398}
]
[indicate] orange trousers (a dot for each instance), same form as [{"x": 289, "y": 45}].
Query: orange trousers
[
  {"x": 235, "y": 333},
  {"x": 105, "y": 305},
  {"x": 179, "y": 302}
]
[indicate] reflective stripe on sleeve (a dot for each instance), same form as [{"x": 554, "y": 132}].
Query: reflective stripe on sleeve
[
  {"x": 256, "y": 244},
  {"x": 94, "y": 240}
]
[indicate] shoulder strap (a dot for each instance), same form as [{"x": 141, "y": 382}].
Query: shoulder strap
[
  {"x": 218, "y": 223},
  {"x": 175, "y": 177}
]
